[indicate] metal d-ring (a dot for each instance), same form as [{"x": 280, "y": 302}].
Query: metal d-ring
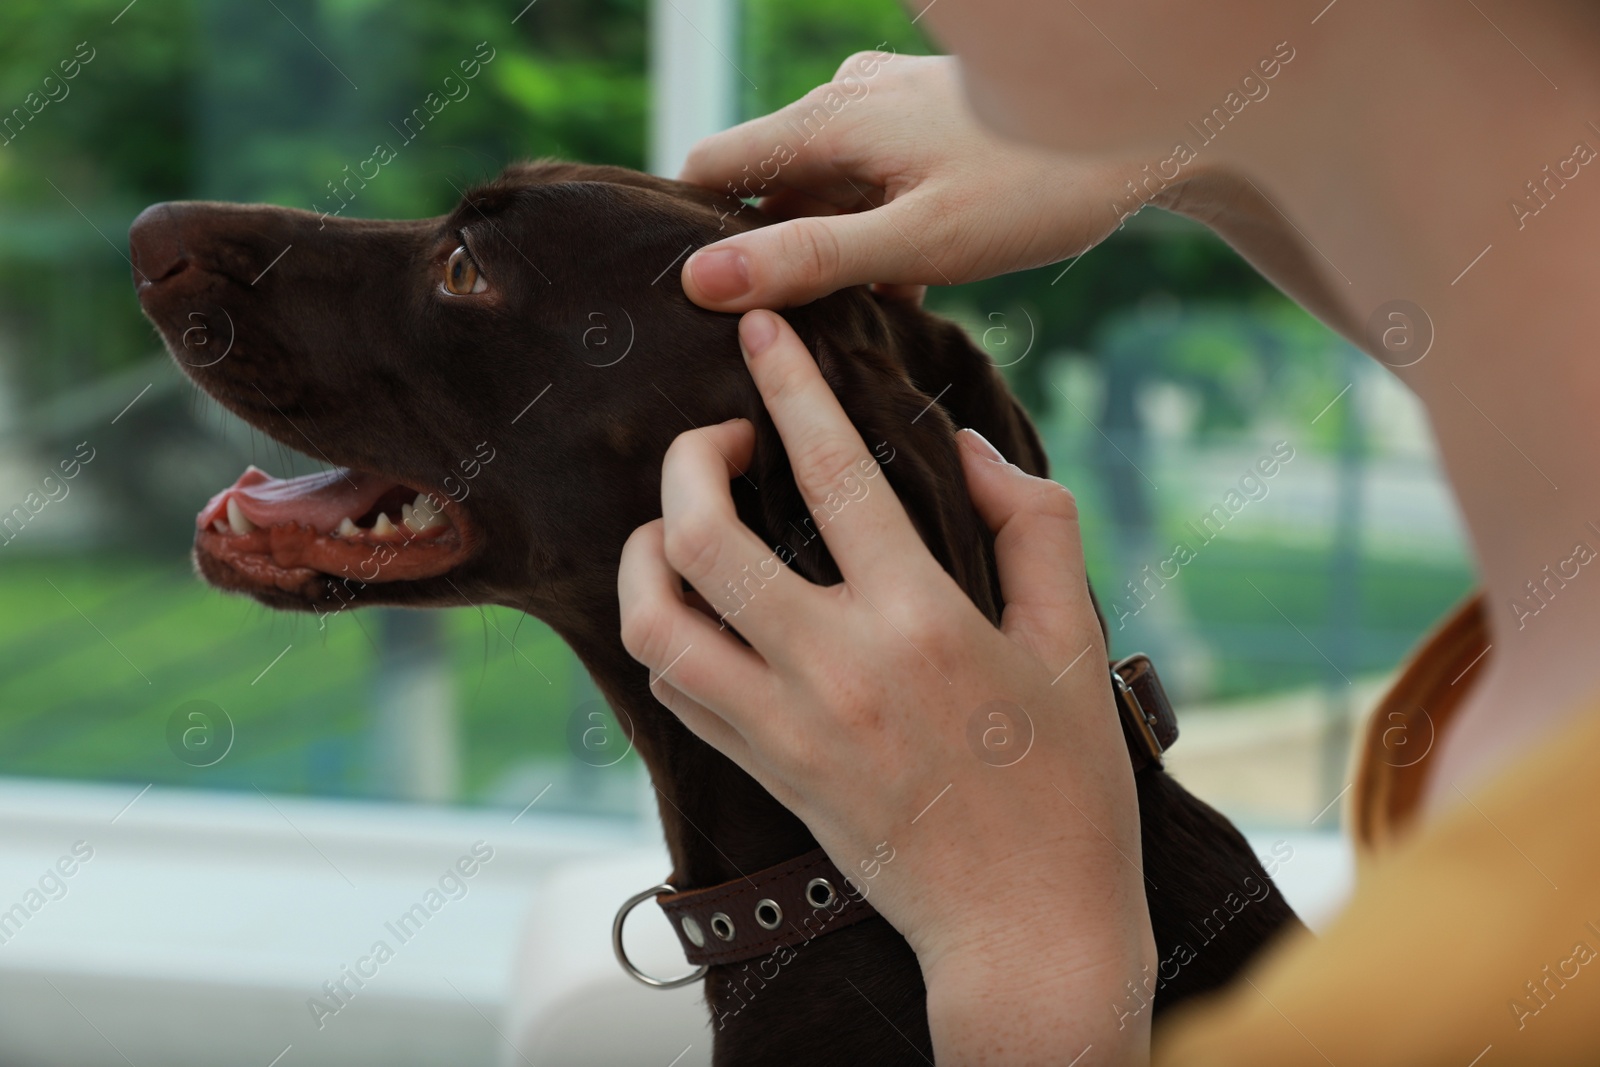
[{"x": 622, "y": 954}]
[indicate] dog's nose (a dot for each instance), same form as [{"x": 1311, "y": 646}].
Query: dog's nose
[{"x": 155, "y": 241}]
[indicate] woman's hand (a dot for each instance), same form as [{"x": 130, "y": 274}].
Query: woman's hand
[
  {"x": 972, "y": 780},
  {"x": 887, "y": 177}
]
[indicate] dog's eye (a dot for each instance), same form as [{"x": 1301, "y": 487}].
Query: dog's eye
[{"x": 461, "y": 275}]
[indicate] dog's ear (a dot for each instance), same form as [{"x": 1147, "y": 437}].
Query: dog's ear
[
  {"x": 942, "y": 362},
  {"x": 911, "y": 439},
  {"x": 907, "y": 380}
]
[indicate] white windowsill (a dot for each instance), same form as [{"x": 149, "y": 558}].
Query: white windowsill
[{"x": 205, "y": 922}]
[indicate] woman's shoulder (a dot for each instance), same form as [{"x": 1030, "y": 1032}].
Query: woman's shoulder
[{"x": 1478, "y": 928}]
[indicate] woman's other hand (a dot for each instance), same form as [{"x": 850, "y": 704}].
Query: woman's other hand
[
  {"x": 858, "y": 705},
  {"x": 884, "y": 176}
]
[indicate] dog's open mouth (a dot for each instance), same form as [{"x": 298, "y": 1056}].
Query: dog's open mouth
[{"x": 283, "y": 533}]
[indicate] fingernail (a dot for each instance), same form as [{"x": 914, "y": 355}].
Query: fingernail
[
  {"x": 757, "y": 331},
  {"x": 720, "y": 275},
  {"x": 977, "y": 441}
]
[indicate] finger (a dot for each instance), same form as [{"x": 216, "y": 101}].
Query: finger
[
  {"x": 798, "y": 261},
  {"x": 742, "y": 578},
  {"x": 756, "y": 156},
  {"x": 728, "y": 156},
  {"x": 809, "y": 184},
  {"x": 788, "y": 203},
  {"x": 1038, "y": 552},
  {"x": 695, "y": 665},
  {"x": 904, "y": 294},
  {"x": 704, "y": 723},
  {"x": 851, "y": 504}
]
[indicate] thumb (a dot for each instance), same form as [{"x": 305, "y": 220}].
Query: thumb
[
  {"x": 797, "y": 261},
  {"x": 1038, "y": 552}
]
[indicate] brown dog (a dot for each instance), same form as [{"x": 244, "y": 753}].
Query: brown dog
[{"x": 499, "y": 386}]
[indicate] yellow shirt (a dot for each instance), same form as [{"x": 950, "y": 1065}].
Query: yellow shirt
[{"x": 1472, "y": 941}]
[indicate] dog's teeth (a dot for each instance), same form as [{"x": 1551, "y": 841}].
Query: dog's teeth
[
  {"x": 435, "y": 510},
  {"x": 383, "y": 527},
  {"x": 420, "y": 515},
  {"x": 405, "y": 514},
  {"x": 219, "y": 526},
  {"x": 347, "y": 528},
  {"x": 236, "y": 518}
]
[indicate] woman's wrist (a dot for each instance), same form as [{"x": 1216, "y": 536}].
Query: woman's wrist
[
  {"x": 1035, "y": 971},
  {"x": 1042, "y": 999}
]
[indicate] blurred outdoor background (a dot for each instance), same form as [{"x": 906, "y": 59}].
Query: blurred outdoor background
[{"x": 1160, "y": 369}]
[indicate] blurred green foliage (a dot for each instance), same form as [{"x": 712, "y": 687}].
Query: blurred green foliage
[
  {"x": 256, "y": 100},
  {"x": 72, "y": 702},
  {"x": 223, "y": 99}
]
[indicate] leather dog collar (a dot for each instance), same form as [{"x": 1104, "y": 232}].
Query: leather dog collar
[{"x": 790, "y": 904}]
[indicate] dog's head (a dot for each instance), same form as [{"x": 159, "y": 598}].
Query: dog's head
[{"x": 496, "y": 389}]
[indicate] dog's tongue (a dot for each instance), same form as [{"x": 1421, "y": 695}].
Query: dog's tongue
[{"x": 318, "y": 500}]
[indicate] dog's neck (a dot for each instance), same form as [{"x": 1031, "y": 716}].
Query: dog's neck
[{"x": 719, "y": 822}]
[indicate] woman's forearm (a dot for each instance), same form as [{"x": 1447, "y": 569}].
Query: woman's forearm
[{"x": 1238, "y": 212}]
